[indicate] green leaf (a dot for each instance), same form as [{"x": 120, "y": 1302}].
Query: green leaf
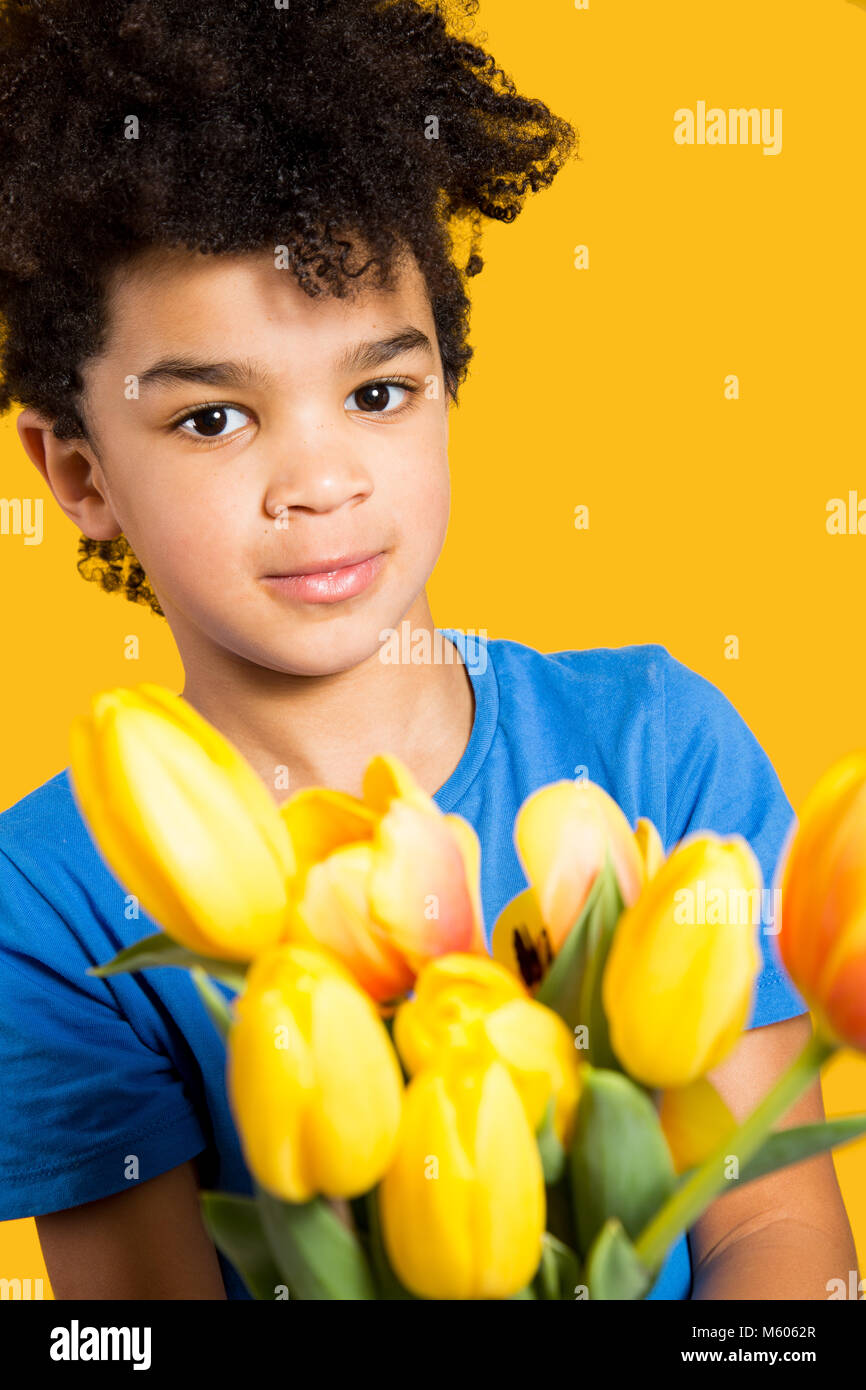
[
  {"x": 234, "y": 1224},
  {"x": 550, "y": 1147},
  {"x": 558, "y": 1272},
  {"x": 572, "y": 986},
  {"x": 620, "y": 1164},
  {"x": 799, "y": 1142},
  {"x": 613, "y": 1270},
  {"x": 560, "y": 1212},
  {"x": 319, "y": 1257},
  {"x": 160, "y": 949}
]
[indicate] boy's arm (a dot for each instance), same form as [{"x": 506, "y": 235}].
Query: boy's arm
[
  {"x": 147, "y": 1243},
  {"x": 785, "y": 1235}
]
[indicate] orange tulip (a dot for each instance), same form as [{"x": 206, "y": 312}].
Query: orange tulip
[
  {"x": 822, "y": 939},
  {"x": 387, "y": 882}
]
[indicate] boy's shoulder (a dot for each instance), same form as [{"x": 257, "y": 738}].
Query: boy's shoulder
[
  {"x": 649, "y": 716},
  {"x": 639, "y": 673},
  {"x": 46, "y": 852},
  {"x": 49, "y": 812},
  {"x": 645, "y": 660}
]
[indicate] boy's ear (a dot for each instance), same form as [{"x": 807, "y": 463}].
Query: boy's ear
[{"x": 73, "y": 473}]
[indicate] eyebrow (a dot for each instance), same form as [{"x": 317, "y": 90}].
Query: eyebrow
[{"x": 361, "y": 356}]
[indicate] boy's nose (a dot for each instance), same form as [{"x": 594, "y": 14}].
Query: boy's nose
[{"x": 317, "y": 484}]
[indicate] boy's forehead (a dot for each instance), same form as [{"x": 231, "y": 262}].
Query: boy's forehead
[{"x": 185, "y": 299}]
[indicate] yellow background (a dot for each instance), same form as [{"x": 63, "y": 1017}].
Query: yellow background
[{"x": 605, "y": 387}]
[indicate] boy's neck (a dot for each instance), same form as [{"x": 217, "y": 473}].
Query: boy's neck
[{"x": 324, "y": 730}]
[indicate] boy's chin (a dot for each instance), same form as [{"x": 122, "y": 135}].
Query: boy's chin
[{"x": 327, "y": 649}]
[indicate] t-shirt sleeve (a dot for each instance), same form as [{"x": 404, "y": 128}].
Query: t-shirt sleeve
[
  {"x": 719, "y": 778},
  {"x": 82, "y": 1094}
]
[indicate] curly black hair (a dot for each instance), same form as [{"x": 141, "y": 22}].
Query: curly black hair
[{"x": 323, "y": 126}]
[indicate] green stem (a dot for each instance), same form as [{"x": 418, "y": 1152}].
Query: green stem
[
  {"x": 215, "y": 1003},
  {"x": 695, "y": 1194}
]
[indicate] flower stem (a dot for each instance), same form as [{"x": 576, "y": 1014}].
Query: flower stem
[
  {"x": 698, "y": 1190},
  {"x": 214, "y": 1002}
]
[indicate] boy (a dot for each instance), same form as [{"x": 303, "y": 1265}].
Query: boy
[{"x": 236, "y": 328}]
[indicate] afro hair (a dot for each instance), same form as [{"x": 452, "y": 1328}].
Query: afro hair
[{"x": 342, "y": 130}]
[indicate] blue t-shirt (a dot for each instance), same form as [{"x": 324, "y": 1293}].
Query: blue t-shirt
[{"x": 96, "y": 1071}]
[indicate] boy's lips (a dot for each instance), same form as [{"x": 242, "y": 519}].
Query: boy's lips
[
  {"x": 329, "y": 581},
  {"x": 339, "y": 562}
]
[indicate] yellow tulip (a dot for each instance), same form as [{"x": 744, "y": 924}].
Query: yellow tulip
[
  {"x": 313, "y": 1080},
  {"x": 561, "y": 833},
  {"x": 453, "y": 995},
  {"x": 387, "y": 882},
  {"x": 677, "y": 985},
  {"x": 471, "y": 1002},
  {"x": 822, "y": 940},
  {"x": 463, "y": 1204},
  {"x": 183, "y": 821}
]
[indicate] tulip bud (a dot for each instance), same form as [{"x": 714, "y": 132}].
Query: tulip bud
[
  {"x": 183, "y": 821},
  {"x": 561, "y": 833},
  {"x": 314, "y": 1083},
  {"x": 472, "y": 1003},
  {"x": 453, "y": 996},
  {"x": 821, "y": 940},
  {"x": 463, "y": 1204},
  {"x": 678, "y": 981}
]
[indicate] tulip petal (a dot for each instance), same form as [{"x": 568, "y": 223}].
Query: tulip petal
[
  {"x": 695, "y": 1120},
  {"x": 560, "y": 833},
  {"x": 418, "y": 885},
  {"x": 128, "y": 863},
  {"x": 246, "y": 783},
  {"x": 470, "y": 848},
  {"x": 843, "y": 994},
  {"x": 561, "y": 845},
  {"x": 320, "y": 821},
  {"x": 510, "y": 1206},
  {"x": 650, "y": 847},
  {"x": 351, "y": 1131},
  {"x": 387, "y": 779},
  {"x": 453, "y": 994},
  {"x": 538, "y": 1049},
  {"x": 833, "y": 817},
  {"x": 334, "y": 911},
  {"x": 271, "y": 1084},
  {"x": 425, "y": 1198},
  {"x": 520, "y": 939}
]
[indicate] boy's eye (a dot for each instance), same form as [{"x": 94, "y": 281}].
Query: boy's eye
[
  {"x": 210, "y": 421},
  {"x": 378, "y": 397}
]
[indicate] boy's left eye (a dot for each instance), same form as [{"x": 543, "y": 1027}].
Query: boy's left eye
[{"x": 378, "y": 397}]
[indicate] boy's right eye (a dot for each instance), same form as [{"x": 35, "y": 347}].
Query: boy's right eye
[{"x": 211, "y": 421}]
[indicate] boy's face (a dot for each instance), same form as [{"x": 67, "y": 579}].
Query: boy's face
[{"x": 218, "y": 485}]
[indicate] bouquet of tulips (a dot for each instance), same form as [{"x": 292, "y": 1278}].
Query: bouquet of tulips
[{"x": 422, "y": 1119}]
